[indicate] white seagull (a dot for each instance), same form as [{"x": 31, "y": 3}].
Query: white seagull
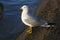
[{"x": 30, "y": 20}]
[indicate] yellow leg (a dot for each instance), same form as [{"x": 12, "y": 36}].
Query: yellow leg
[{"x": 30, "y": 30}]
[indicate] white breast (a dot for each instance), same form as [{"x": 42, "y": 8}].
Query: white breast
[
  {"x": 25, "y": 20},
  {"x": 28, "y": 20},
  {"x": 25, "y": 17}
]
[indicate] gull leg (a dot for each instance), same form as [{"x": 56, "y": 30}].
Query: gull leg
[{"x": 30, "y": 30}]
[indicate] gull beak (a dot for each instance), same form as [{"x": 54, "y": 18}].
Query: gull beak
[{"x": 20, "y": 9}]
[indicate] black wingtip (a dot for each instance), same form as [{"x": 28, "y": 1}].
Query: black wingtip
[{"x": 52, "y": 24}]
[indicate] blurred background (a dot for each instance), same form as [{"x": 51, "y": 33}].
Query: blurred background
[{"x": 12, "y": 27}]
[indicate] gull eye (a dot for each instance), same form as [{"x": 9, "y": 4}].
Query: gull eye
[{"x": 24, "y": 7}]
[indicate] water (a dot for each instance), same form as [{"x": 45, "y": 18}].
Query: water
[{"x": 12, "y": 26}]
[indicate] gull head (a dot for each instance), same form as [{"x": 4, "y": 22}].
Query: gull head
[{"x": 24, "y": 7}]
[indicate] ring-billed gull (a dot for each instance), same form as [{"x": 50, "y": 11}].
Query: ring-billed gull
[{"x": 31, "y": 20}]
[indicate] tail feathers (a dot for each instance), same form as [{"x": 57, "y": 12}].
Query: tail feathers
[
  {"x": 49, "y": 25},
  {"x": 52, "y": 24}
]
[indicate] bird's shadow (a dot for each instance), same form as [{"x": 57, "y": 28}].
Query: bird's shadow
[{"x": 35, "y": 29}]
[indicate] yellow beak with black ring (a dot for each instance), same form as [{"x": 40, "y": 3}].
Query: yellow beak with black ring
[{"x": 20, "y": 9}]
